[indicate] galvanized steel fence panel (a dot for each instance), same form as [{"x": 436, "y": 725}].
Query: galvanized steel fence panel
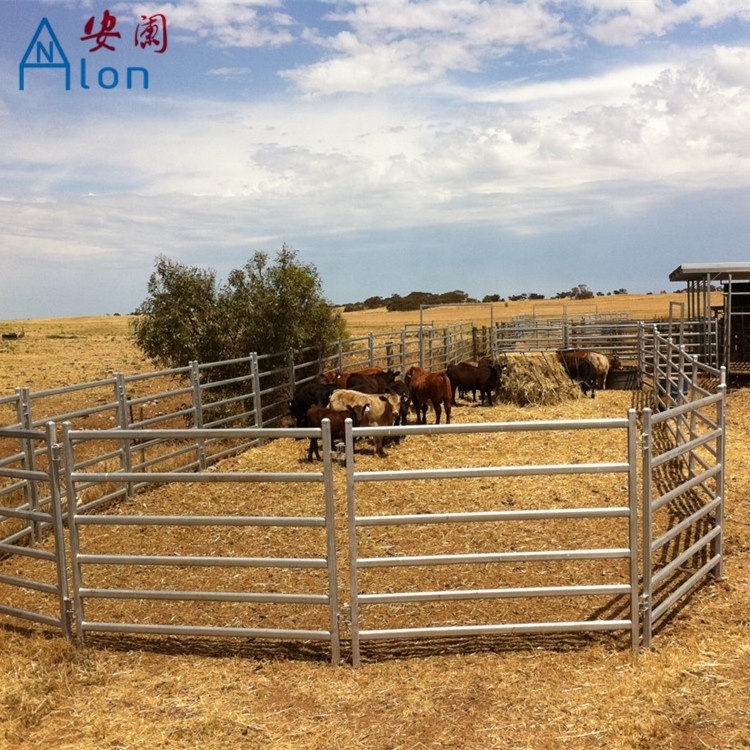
[
  {"x": 49, "y": 590},
  {"x": 358, "y": 524},
  {"x": 83, "y": 516},
  {"x": 683, "y": 469}
]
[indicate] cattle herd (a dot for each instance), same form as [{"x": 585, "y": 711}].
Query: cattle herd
[{"x": 376, "y": 397}]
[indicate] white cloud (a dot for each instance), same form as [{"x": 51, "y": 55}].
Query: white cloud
[
  {"x": 226, "y": 23},
  {"x": 401, "y": 43},
  {"x": 626, "y": 22},
  {"x": 334, "y": 164}
]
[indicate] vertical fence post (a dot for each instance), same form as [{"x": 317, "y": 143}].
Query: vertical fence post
[
  {"x": 340, "y": 356},
  {"x": 646, "y": 595},
  {"x": 330, "y": 525},
  {"x": 195, "y": 382},
  {"x": 371, "y": 349},
  {"x": 30, "y": 490},
  {"x": 292, "y": 374},
  {"x": 123, "y": 422},
  {"x": 389, "y": 355},
  {"x": 635, "y": 619},
  {"x": 73, "y": 535},
  {"x": 353, "y": 552},
  {"x": 257, "y": 400},
  {"x": 721, "y": 419},
  {"x": 53, "y": 454},
  {"x": 404, "y": 359}
]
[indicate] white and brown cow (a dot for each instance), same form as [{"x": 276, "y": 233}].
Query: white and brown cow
[{"x": 379, "y": 409}]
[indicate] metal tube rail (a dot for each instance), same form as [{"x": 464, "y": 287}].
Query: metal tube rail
[
  {"x": 510, "y": 593},
  {"x": 301, "y": 521},
  {"x": 664, "y": 539},
  {"x": 504, "y": 629},
  {"x": 667, "y": 570},
  {"x": 689, "y": 584},
  {"x": 205, "y": 630},
  {"x": 492, "y": 471},
  {"x": 301, "y": 563},
  {"x": 204, "y": 596},
  {"x": 687, "y": 447},
  {"x": 192, "y": 477},
  {"x": 686, "y": 486},
  {"x": 498, "y": 515},
  {"x": 25, "y": 614},
  {"x": 493, "y": 557}
]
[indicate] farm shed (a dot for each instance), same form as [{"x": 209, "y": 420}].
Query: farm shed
[{"x": 732, "y": 347}]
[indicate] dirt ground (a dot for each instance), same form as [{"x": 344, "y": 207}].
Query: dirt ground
[{"x": 689, "y": 691}]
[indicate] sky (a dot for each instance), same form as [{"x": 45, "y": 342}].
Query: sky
[{"x": 496, "y": 147}]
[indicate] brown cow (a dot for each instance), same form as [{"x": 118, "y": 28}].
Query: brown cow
[
  {"x": 341, "y": 379},
  {"x": 316, "y": 415},
  {"x": 603, "y": 363},
  {"x": 466, "y": 377},
  {"x": 427, "y": 388}
]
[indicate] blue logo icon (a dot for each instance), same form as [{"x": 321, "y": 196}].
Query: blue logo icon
[{"x": 44, "y": 51}]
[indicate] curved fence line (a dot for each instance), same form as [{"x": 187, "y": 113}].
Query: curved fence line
[{"x": 675, "y": 461}]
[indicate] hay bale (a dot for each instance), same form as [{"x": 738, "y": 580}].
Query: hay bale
[{"x": 536, "y": 380}]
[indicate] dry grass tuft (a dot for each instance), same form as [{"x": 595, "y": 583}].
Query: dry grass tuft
[{"x": 536, "y": 380}]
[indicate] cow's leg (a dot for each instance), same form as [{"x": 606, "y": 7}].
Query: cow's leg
[
  {"x": 379, "y": 446},
  {"x": 438, "y": 412},
  {"x": 447, "y": 413},
  {"x": 313, "y": 449}
]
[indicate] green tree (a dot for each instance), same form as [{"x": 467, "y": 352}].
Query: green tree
[
  {"x": 263, "y": 307},
  {"x": 179, "y": 321},
  {"x": 280, "y": 306}
]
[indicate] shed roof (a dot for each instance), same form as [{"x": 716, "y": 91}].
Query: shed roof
[{"x": 714, "y": 271}]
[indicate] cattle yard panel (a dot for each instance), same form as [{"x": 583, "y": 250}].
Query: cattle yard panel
[
  {"x": 683, "y": 479},
  {"x": 386, "y": 559},
  {"x": 624, "y": 338},
  {"x": 156, "y": 421},
  {"x": 48, "y": 590},
  {"x": 161, "y": 570}
]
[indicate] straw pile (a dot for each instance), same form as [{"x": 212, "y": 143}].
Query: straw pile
[{"x": 536, "y": 380}]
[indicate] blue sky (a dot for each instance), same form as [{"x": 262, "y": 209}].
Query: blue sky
[{"x": 496, "y": 147}]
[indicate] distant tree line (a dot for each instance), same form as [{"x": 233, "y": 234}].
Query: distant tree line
[
  {"x": 412, "y": 301},
  {"x": 415, "y": 300}
]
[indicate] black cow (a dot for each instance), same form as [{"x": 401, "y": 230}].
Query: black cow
[
  {"x": 314, "y": 393},
  {"x": 466, "y": 377},
  {"x": 376, "y": 383},
  {"x": 581, "y": 369},
  {"x": 402, "y": 391}
]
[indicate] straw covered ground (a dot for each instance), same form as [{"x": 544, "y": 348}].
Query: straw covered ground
[{"x": 573, "y": 691}]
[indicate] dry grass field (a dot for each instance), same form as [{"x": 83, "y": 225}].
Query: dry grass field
[
  {"x": 690, "y": 691},
  {"x": 637, "y": 306}
]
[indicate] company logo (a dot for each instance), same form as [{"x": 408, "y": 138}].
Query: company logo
[{"x": 46, "y": 53}]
